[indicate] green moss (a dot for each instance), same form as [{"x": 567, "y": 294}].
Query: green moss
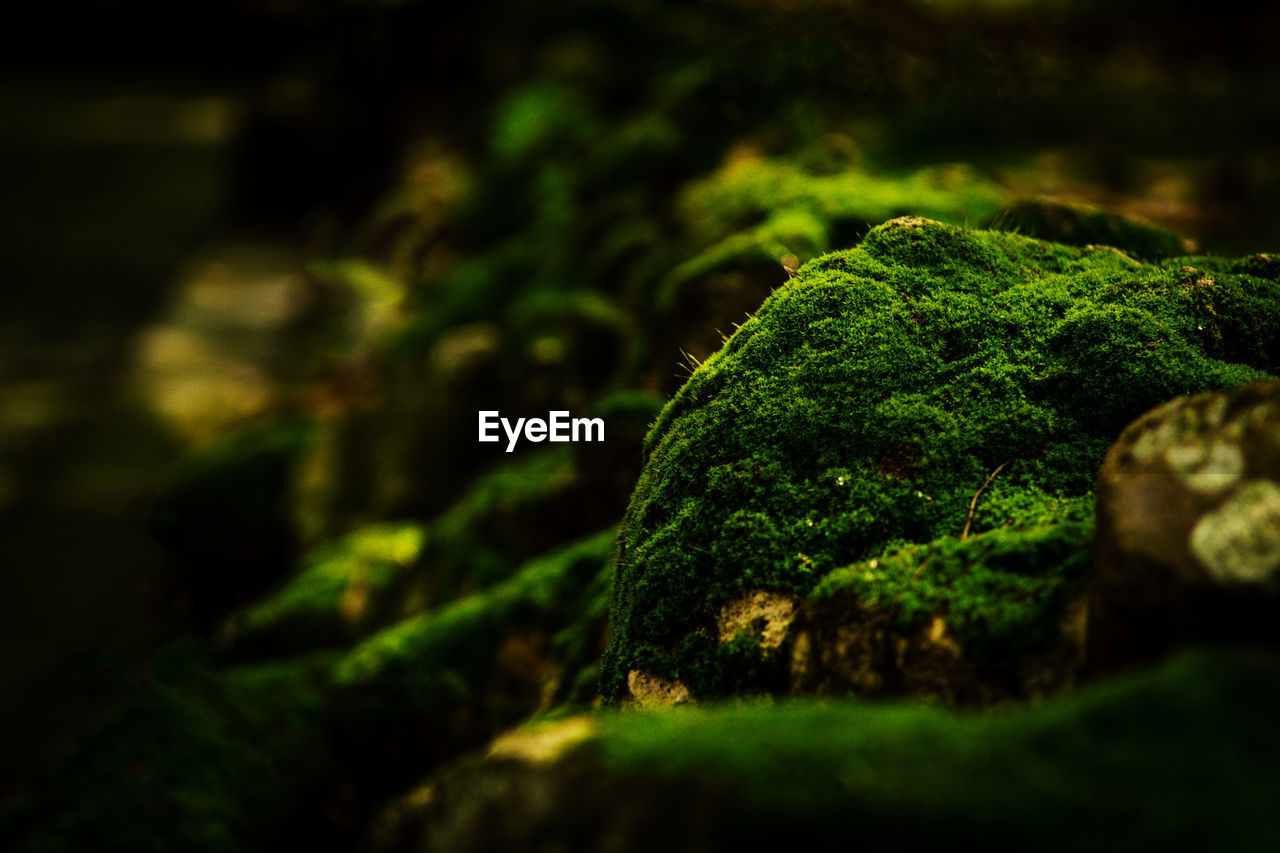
[
  {"x": 574, "y": 341},
  {"x": 994, "y": 589},
  {"x": 1081, "y": 224},
  {"x": 1183, "y": 755},
  {"x": 788, "y": 210},
  {"x": 537, "y": 116},
  {"x": 872, "y": 396},
  {"x": 382, "y": 573},
  {"x": 424, "y": 645},
  {"x": 339, "y": 592},
  {"x": 440, "y": 682},
  {"x": 496, "y": 524},
  {"x": 213, "y": 762}
]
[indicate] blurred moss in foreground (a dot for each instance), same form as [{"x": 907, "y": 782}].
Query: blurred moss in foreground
[{"x": 1183, "y": 757}]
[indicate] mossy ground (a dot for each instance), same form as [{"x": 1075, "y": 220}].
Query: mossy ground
[
  {"x": 238, "y": 757},
  {"x": 339, "y": 593},
  {"x": 379, "y": 574},
  {"x": 870, "y": 398},
  {"x": 1178, "y": 758}
]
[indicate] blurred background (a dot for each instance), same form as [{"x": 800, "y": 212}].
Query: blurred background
[{"x": 307, "y": 240}]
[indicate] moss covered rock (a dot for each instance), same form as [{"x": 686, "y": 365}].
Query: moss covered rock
[
  {"x": 1178, "y": 758},
  {"x": 892, "y": 625},
  {"x": 742, "y": 219},
  {"x": 446, "y": 680},
  {"x": 933, "y": 383}
]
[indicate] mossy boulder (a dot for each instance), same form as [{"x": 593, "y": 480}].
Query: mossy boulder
[
  {"x": 444, "y": 681},
  {"x": 933, "y": 383},
  {"x": 1189, "y": 528},
  {"x": 1178, "y": 758},
  {"x": 889, "y": 626},
  {"x": 742, "y": 219}
]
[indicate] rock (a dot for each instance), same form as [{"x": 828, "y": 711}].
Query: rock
[
  {"x": 1188, "y": 544},
  {"x": 764, "y": 613},
  {"x": 912, "y": 429},
  {"x": 649, "y": 692}
]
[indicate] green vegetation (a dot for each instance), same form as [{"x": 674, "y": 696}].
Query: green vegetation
[
  {"x": 339, "y": 593},
  {"x": 1182, "y": 756},
  {"x": 808, "y": 212},
  {"x": 446, "y": 680},
  {"x": 869, "y": 399},
  {"x": 999, "y": 590},
  {"x": 1080, "y": 224},
  {"x": 416, "y": 648}
]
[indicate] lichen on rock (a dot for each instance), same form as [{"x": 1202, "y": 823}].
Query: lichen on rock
[
  {"x": 933, "y": 382},
  {"x": 1189, "y": 527}
]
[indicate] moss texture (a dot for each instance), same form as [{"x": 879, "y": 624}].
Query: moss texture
[
  {"x": 1081, "y": 224},
  {"x": 1177, "y": 755},
  {"x": 995, "y": 588},
  {"x": 448, "y": 679},
  {"x": 1172, "y": 759},
  {"x": 870, "y": 398},
  {"x": 755, "y": 210}
]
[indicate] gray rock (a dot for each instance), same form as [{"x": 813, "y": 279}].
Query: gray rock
[{"x": 1188, "y": 537}]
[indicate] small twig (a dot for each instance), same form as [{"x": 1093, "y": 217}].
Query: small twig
[{"x": 973, "y": 504}]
